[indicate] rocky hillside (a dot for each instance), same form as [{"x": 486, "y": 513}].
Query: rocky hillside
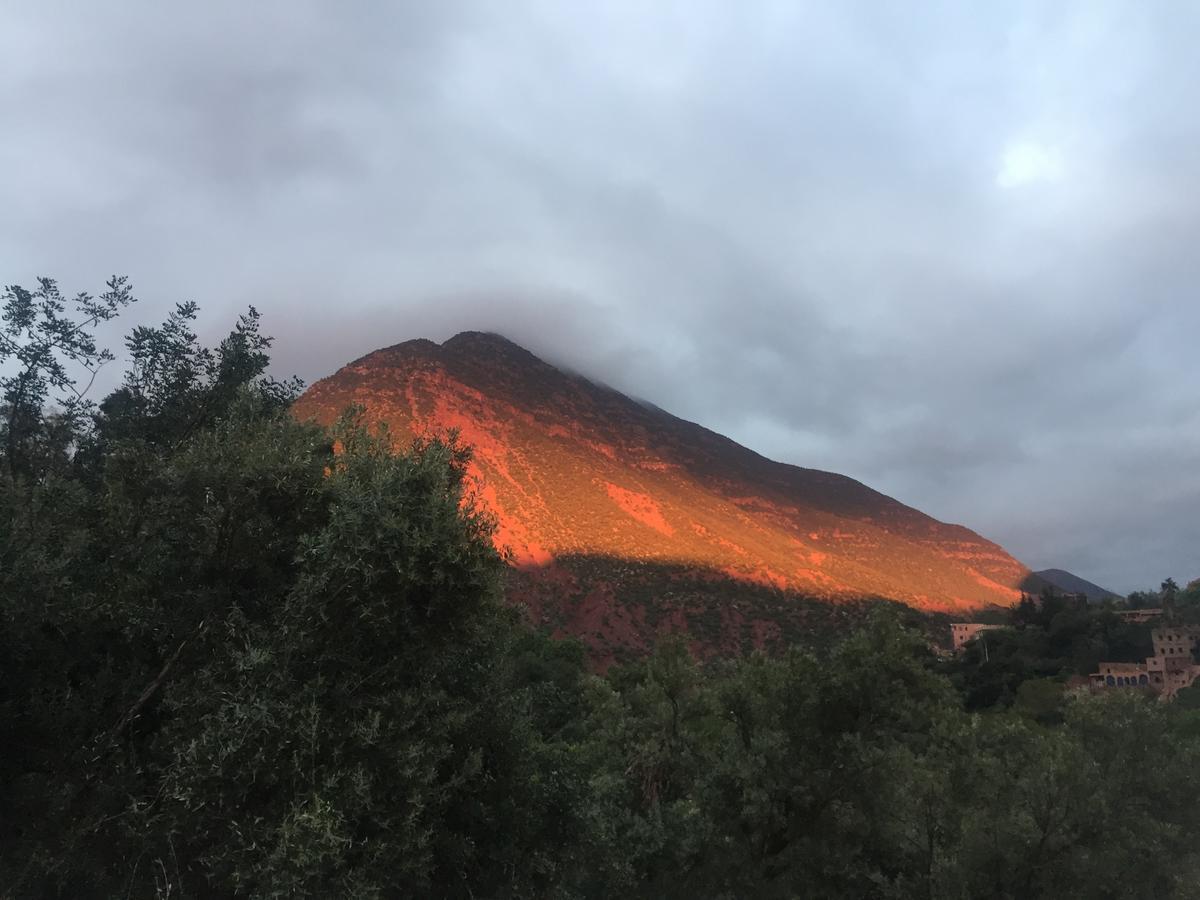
[{"x": 622, "y": 519}]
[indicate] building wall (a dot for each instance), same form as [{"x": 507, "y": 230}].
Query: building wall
[
  {"x": 963, "y": 633},
  {"x": 1176, "y": 640},
  {"x": 1169, "y": 670},
  {"x": 1118, "y": 674},
  {"x": 1140, "y": 615}
]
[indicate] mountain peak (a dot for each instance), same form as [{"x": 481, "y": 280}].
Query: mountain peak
[
  {"x": 398, "y": 354},
  {"x": 489, "y": 347},
  {"x": 477, "y": 339},
  {"x": 475, "y": 348},
  {"x": 1072, "y": 583}
]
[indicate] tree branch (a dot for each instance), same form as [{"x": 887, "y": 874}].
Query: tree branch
[{"x": 152, "y": 687}]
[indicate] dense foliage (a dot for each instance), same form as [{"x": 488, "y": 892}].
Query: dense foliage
[{"x": 243, "y": 656}]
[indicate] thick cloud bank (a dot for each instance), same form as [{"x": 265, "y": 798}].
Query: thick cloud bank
[{"x": 945, "y": 249}]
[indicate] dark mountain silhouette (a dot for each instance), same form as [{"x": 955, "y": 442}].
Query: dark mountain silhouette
[
  {"x": 1073, "y": 584},
  {"x": 621, "y": 518}
]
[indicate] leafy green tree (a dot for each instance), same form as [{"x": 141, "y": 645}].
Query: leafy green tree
[
  {"x": 116, "y": 563},
  {"x": 382, "y": 680},
  {"x": 644, "y": 758},
  {"x": 1142, "y": 600},
  {"x": 233, "y": 661},
  {"x": 1040, "y": 699},
  {"x": 40, "y": 341},
  {"x": 765, "y": 778}
]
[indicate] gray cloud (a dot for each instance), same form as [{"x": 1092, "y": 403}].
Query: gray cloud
[{"x": 946, "y": 250}]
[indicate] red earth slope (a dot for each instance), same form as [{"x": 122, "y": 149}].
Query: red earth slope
[{"x": 623, "y": 519}]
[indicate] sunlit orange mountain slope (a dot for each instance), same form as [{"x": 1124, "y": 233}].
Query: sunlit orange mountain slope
[{"x": 623, "y": 520}]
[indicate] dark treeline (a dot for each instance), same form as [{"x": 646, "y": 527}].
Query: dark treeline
[{"x": 244, "y": 656}]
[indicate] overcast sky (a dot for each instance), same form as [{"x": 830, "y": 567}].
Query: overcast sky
[{"x": 951, "y": 250}]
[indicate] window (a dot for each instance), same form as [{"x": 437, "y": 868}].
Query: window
[{"x": 1110, "y": 681}]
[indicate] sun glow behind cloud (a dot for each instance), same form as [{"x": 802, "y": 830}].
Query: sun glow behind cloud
[{"x": 1028, "y": 162}]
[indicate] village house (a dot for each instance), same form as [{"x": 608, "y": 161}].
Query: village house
[
  {"x": 963, "y": 633},
  {"x": 1172, "y": 667}
]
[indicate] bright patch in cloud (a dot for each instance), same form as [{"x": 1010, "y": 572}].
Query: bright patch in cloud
[{"x": 1027, "y": 162}]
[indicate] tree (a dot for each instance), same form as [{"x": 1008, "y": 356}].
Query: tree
[
  {"x": 1168, "y": 592},
  {"x": 40, "y": 339},
  {"x": 114, "y": 565},
  {"x": 383, "y": 680},
  {"x": 233, "y": 660}
]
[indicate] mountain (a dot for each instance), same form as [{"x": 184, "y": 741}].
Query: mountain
[
  {"x": 1073, "y": 584},
  {"x": 623, "y": 520}
]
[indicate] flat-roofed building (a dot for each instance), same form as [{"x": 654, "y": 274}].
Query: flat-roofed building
[
  {"x": 963, "y": 633},
  {"x": 1140, "y": 615},
  {"x": 1172, "y": 667}
]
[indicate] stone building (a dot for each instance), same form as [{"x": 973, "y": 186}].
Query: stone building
[
  {"x": 1122, "y": 674},
  {"x": 964, "y": 632},
  {"x": 1172, "y": 667}
]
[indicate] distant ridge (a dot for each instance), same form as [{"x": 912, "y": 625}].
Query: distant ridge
[
  {"x": 623, "y": 520},
  {"x": 1073, "y": 584}
]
